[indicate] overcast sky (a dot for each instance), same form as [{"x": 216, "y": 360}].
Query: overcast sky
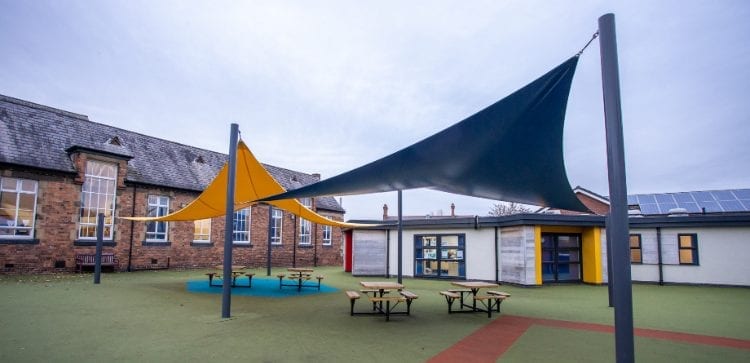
[{"x": 331, "y": 85}]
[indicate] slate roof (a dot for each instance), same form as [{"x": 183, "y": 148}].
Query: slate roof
[{"x": 41, "y": 137}]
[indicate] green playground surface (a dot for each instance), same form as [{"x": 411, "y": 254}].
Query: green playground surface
[{"x": 152, "y": 316}]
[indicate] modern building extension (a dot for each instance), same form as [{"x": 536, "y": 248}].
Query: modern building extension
[{"x": 698, "y": 237}]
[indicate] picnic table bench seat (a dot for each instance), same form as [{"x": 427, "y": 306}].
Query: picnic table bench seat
[
  {"x": 499, "y": 293},
  {"x": 353, "y": 296},
  {"x": 490, "y": 301},
  {"x": 409, "y": 296},
  {"x": 450, "y": 297}
]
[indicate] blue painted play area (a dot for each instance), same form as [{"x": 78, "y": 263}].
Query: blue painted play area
[{"x": 262, "y": 287}]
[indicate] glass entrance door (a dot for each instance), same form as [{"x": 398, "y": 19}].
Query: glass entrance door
[{"x": 561, "y": 257}]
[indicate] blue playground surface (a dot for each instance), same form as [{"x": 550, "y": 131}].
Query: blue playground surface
[{"x": 262, "y": 287}]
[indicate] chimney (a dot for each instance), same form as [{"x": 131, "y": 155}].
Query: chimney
[
  {"x": 316, "y": 176},
  {"x": 453, "y": 210},
  {"x": 385, "y": 211}
]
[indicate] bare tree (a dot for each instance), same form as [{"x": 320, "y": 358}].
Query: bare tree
[{"x": 506, "y": 209}]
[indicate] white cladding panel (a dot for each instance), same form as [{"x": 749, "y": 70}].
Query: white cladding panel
[
  {"x": 518, "y": 255},
  {"x": 368, "y": 253},
  {"x": 480, "y": 254},
  {"x": 722, "y": 255}
]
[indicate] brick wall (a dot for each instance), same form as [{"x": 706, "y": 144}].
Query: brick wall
[
  {"x": 58, "y": 205},
  {"x": 594, "y": 205}
]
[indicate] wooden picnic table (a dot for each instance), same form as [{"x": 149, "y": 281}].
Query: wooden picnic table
[
  {"x": 378, "y": 290},
  {"x": 474, "y": 287},
  {"x": 234, "y": 267},
  {"x": 381, "y": 285},
  {"x": 300, "y": 275},
  {"x": 300, "y": 270},
  {"x": 237, "y": 271}
]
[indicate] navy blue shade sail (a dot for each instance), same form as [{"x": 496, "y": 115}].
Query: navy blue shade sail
[{"x": 510, "y": 151}]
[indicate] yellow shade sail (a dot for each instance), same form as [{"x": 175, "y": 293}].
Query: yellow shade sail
[{"x": 252, "y": 182}]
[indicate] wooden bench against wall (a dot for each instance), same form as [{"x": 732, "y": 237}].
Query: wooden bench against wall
[{"x": 108, "y": 260}]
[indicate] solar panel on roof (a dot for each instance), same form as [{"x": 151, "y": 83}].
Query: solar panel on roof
[
  {"x": 711, "y": 207},
  {"x": 683, "y": 198},
  {"x": 702, "y": 196},
  {"x": 649, "y": 208},
  {"x": 664, "y": 198},
  {"x": 690, "y": 207},
  {"x": 723, "y": 195},
  {"x": 646, "y": 198},
  {"x": 713, "y": 201},
  {"x": 666, "y": 207},
  {"x": 731, "y": 205}
]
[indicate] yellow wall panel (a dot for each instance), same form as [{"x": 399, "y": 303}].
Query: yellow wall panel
[{"x": 538, "y": 251}]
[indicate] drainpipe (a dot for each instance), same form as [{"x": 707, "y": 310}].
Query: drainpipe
[
  {"x": 132, "y": 225},
  {"x": 658, "y": 251}
]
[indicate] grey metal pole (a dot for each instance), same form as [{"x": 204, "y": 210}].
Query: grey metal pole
[
  {"x": 226, "y": 296},
  {"x": 400, "y": 235},
  {"x": 658, "y": 251},
  {"x": 618, "y": 219},
  {"x": 610, "y": 278},
  {"x": 99, "y": 243}
]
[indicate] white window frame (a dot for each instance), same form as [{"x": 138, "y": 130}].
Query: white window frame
[
  {"x": 305, "y": 226},
  {"x": 327, "y": 234},
  {"x": 91, "y": 191},
  {"x": 158, "y": 206},
  {"x": 10, "y": 227},
  {"x": 277, "y": 225},
  {"x": 199, "y": 227},
  {"x": 242, "y": 231}
]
